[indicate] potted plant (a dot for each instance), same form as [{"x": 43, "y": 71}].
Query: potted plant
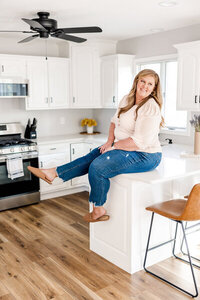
[
  {"x": 195, "y": 122},
  {"x": 90, "y": 123}
]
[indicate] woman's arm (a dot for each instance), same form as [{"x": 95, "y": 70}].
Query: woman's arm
[
  {"x": 126, "y": 144},
  {"x": 111, "y": 138}
]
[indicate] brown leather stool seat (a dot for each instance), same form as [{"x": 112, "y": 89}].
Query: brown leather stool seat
[{"x": 178, "y": 210}]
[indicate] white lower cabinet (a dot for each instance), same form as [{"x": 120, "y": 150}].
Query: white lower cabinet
[
  {"x": 50, "y": 157},
  {"x": 78, "y": 150},
  {"x": 54, "y": 155}
]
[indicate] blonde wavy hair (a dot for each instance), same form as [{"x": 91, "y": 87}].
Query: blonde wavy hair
[{"x": 156, "y": 93}]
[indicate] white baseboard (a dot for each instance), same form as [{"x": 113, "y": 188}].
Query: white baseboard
[{"x": 73, "y": 190}]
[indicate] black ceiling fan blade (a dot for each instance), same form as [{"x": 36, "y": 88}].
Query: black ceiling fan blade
[
  {"x": 68, "y": 37},
  {"x": 28, "y": 39},
  {"x": 17, "y": 31},
  {"x": 80, "y": 29},
  {"x": 34, "y": 24}
]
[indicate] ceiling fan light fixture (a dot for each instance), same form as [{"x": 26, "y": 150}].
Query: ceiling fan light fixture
[
  {"x": 45, "y": 27},
  {"x": 167, "y": 3}
]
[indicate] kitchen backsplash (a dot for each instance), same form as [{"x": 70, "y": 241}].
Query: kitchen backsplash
[{"x": 50, "y": 122}]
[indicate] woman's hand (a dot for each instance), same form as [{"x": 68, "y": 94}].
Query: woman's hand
[{"x": 105, "y": 147}]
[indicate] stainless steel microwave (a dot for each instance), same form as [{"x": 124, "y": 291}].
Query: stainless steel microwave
[{"x": 14, "y": 87}]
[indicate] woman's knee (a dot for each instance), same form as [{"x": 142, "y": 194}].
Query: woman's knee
[{"x": 95, "y": 168}]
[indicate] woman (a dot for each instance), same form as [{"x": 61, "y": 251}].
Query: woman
[{"x": 132, "y": 144}]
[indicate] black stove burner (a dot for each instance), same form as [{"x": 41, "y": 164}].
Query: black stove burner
[{"x": 15, "y": 142}]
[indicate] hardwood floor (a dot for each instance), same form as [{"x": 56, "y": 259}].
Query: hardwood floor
[{"x": 44, "y": 254}]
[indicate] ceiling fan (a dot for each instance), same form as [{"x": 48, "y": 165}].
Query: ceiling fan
[{"x": 44, "y": 27}]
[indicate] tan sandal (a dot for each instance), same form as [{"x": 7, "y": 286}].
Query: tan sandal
[
  {"x": 88, "y": 218},
  {"x": 38, "y": 173}
]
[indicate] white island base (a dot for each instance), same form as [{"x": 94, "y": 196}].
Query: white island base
[{"x": 122, "y": 240}]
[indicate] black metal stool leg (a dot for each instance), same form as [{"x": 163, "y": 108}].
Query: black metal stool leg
[
  {"x": 190, "y": 262},
  {"x": 182, "y": 251},
  {"x": 147, "y": 247}
]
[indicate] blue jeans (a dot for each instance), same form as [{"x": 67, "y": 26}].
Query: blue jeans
[{"x": 101, "y": 167}]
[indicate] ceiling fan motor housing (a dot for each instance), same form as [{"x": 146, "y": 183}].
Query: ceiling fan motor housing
[{"x": 49, "y": 24}]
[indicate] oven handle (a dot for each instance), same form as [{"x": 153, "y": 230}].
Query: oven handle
[{"x": 33, "y": 154}]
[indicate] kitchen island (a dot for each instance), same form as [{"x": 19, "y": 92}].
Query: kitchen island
[{"x": 122, "y": 239}]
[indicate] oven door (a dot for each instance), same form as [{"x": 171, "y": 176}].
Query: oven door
[{"x": 22, "y": 185}]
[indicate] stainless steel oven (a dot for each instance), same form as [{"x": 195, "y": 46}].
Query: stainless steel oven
[{"x": 23, "y": 190}]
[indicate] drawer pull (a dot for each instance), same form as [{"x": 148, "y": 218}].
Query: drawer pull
[{"x": 52, "y": 149}]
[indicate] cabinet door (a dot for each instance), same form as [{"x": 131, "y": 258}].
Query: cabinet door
[
  {"x": 38, "y": 88},
  {"x": 109, "y": 82},
  {"x": 78, "y": 150},
  {"x": 13, "y": 67},
  {"x": 82, "y": 76},
  {"x": 188, "y": 81},
  {"x": 58, "y": 75},
  {"x": 51, "y": 161}
]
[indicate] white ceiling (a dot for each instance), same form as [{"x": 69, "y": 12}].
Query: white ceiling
[{"x": 119, "y": 19}]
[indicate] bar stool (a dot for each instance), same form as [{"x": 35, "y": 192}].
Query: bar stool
[{"x": 178, "y": 210}]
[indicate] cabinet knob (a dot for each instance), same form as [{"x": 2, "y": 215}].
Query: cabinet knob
[
  {"x": 199, "y": 98},
  {"x": 195, "y": 99},
  {"x": 113, "y": 99},
  {"x": 73, "y": 151},
  {"x": 46, "y": 99},
  {"x": 51, "y": 99},
  {"x": 73, "y": 99},
  {"x": 41, "y": 164},
  {"x": 2, "y": 68}
]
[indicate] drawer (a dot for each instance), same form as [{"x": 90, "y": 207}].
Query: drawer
[{"x": 53, "y": 149}]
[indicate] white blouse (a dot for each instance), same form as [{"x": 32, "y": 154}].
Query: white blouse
[{"x": 144, "y": 131}]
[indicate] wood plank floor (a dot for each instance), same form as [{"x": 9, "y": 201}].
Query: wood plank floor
[{"x": 44, "y": 254}]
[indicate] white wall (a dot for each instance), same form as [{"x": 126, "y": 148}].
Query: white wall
[
  {"x": 50, "y": 122},
  {"x": 159, "y": 43},
  {"x": 38, "y": 47}
]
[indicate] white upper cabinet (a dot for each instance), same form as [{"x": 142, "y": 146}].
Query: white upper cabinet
[
  {"x": 85, "y": 77},
  {"x": 12, "y": 66},
  {"x": 58, "y": 75},
  {"x": 48, "y": 83},
  {"x": 116, "y": 78},
  {"x": 38, "y": 84},
  {"x": 188, "y": 85}
]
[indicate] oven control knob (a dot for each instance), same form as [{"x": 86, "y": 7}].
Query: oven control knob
[
  {"x": 12, "y": 150},
  {"x": 29, "y": 148},
  {"x": 22, "y": 149}
]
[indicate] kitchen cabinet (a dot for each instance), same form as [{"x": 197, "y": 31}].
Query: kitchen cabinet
[
  {"x": 12, "y": 66},
  {"x": 48, "y": 83},
  {"x": 188, "y": 85},
  {"x": 78, "y": 150},
  {"x": 116, "y": 78},
  {"x": 51, "y": 156},
  {"x": 85, "y": 77}
]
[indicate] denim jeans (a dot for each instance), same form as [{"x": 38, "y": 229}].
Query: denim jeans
[{"x": 101, "y": 167}]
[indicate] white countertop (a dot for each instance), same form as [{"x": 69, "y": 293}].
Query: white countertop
[
  {"x": 171, "y": 167},
  {"x": 72, "y": 138}
]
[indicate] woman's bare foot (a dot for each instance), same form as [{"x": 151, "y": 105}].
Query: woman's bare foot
[
  {"x": 50, "y": 174},
  {"x": 98, "y": 212}
]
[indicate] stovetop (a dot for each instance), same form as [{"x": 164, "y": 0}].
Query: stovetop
[
  {"x": 11, "y": 141},
  {"x": 16, "y": 145}
]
